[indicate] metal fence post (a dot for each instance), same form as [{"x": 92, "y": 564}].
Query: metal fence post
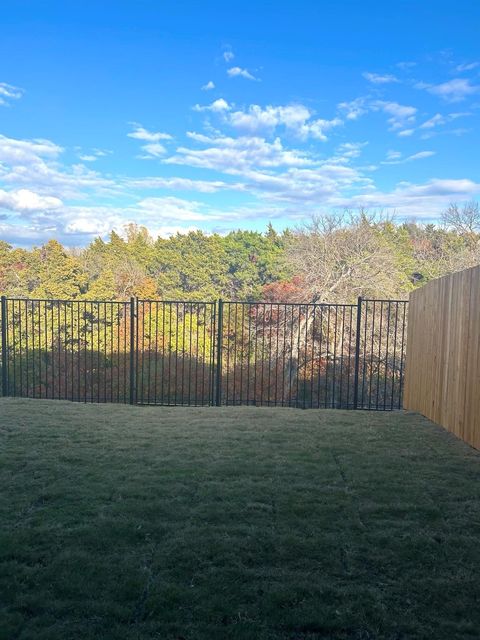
[
  {"x": 4, "y": 346},
  {"x": 357, "y": 352},
  {"x": 132, "y": 350},
  {"x": 218, "y": 397}
]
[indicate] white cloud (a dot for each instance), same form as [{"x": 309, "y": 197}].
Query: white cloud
[
  {"x": 238, "y": 71},
  {"x": 430, "y": 133},
  {"x": 438, "y": 120},
  {"x": 469, "y": 66},
  {"x": 420, "y": 155},
  {"x": 394, "y": 157},
  {"x": 291, "y": 194},
  {"x": 377, "y": 78},
  {"x": 9, "y": 92},
  {"x": 228, "y": 55},
  {"x": 400, "y": 114},
  {"x": 216, "y": 106},
  {"x": 209, "y": 86},
  {"x": 310, "y": 186},
  {"x": 153, "y": 148},
  {"x": 296, "y": 118},
  {"x": 13, "y": 150},
  {"x": 185, "y": 184},
  {"x": 69, "y": 224},
  {"x": 349, "y": 150},
  {"x": 21, "y": 234},
  {"x": 422, "y": 201},
  {"x": 434, "y": 121},
  {"x": 24, "y": 200},
  {"x": 161, "y": 215},
  {"x": 317, "y": 128},
  {"x": 93, "y": 155},
  {"x": 140, "y": 133},
  {"x": 454, "y": 90},
  {"x": 102, "y": 152},
  {"x": 257, "y": 118},
  {"x": 90, "y": 225},
  {"x": 281, "y": 179},
  {"x": 171, "y": 208},
  {"x": 354, "y": 109},
  {"x": 236, "y": 155},
  {"x": 268, "y": 170},
  {"x": 34, "y": 164}
]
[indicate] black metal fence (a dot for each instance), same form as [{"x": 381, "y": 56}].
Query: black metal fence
[{"x": 205, "y": 353}]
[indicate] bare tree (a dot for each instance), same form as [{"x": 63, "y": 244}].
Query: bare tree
[
  {"x": 464, "y": 220},
  {"x": 128, "y": 276},
  {"x": 444, "y": 254},
  {"x": 339, "y": 258}
]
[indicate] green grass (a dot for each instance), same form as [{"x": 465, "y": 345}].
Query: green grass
[{"x": 131, "y": 523}]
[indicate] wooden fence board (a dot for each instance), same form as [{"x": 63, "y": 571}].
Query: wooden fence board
[{"x": 442, "y": 377}]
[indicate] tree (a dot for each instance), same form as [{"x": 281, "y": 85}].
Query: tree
[
  {"x": 464, "y": 220},
  {"x": 190, "y": 267},
  {"x": 119, "y": 269},
  {"x": 253, "y": 261},
  {"x": 336, "y": 258},
  {"x": 13, "y": 270},
  {"x": 438, "y": 251},
  {"x": 53, "y": 273},
  {"x": 338, "y": 262}
]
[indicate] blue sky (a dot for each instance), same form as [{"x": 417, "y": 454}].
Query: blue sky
[{"x": 217, "y": 116}]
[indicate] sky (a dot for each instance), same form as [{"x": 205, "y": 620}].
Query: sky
[{"x": 182, "y": 115}]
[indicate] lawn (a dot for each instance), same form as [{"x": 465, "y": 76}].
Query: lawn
[{"x": 130, "y": 523}]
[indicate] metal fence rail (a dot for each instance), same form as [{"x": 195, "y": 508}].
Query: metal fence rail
[{"x": 205, "y": 353}]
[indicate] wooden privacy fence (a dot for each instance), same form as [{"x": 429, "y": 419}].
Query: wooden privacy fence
[{"x": 442, "y": 379}]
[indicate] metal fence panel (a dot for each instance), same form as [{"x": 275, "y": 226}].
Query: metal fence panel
[
  {"x": 175, "y": 352},
  {"x": 296, "y": 355},
  {"x": 382, "y": 354},
  {"x": 64, "y": 349},
  {"x": 203, "y": 353}
]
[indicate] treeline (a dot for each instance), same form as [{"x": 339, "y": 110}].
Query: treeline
[
  {"x": 334, "y": 258},
  {"x": 194, "y": 266}
]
